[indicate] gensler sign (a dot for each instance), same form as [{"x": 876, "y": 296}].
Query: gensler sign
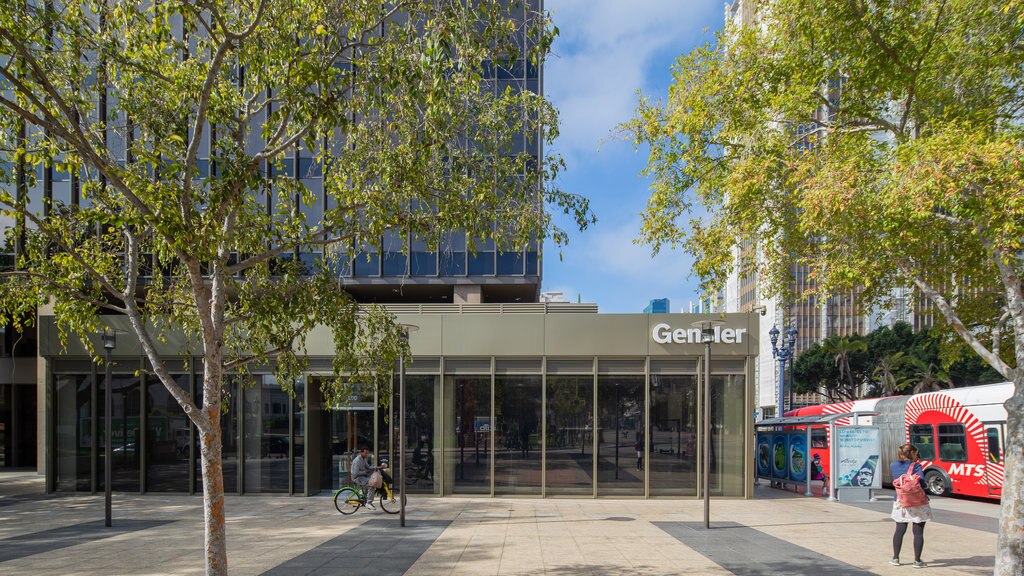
[{"x": 665, "y": 334}]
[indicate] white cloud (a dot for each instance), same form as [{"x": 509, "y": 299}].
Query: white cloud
[{"x": 603, "y": 54}]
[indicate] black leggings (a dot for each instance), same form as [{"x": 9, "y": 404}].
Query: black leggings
[{"x": 897, "y": 539}]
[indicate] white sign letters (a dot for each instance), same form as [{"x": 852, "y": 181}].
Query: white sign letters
[{"x": 665, "y": 334}]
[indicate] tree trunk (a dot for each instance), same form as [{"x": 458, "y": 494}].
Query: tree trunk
[
  {"x": 1010, "y": 550},
  {"x": 213, "y": 493}
]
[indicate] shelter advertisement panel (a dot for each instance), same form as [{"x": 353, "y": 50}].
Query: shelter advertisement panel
[
  {"x": 764, "y": 455},
  {"x": 780, "y": 448},
  {"x": 859, "y": 453},
  {"x": 797, "y": 457}
]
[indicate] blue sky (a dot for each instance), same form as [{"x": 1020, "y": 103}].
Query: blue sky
[{"x": 606, "y": 50}]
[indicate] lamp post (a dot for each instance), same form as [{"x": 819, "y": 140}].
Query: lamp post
[
  {"x": 783, "y": 354},
  {"x": 109, "y": 343},
  {"x": 707, "y": 331},
  {"x": 405, "y": 330}
]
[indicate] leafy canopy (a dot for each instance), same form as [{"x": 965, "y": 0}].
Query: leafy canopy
[{"x": 219, "y": 164}]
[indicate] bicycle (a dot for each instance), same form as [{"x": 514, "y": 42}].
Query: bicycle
[{"x": 350, "y": 498}]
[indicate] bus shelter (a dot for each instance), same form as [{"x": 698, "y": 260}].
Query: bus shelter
[{"x": 783, "y": 455}]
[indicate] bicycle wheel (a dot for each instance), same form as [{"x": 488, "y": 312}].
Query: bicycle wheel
[
  {"x": 347, "y": 501},
  {"x": 389, "y": 501}
]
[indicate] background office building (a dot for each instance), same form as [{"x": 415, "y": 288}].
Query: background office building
[{"x": 512, "y": 399}]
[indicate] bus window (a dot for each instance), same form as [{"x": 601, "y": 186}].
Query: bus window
[
  {"x": 819, "y": 438},
  {"x": 952, "y": 443},
  {"x": 993, "y": 445},
  {"x": 922, "y": 436}
]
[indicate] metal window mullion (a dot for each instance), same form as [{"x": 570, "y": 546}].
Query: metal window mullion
[
  {"x": 192, "y": 434},
  {"x": 241, "y": 438},
  {"x": 492, "y": 456},
  {"x": 141, "y": 442},
  {"x": 94, "y": 430},
  {"x": 646, "y": 459},
  {"x": 442, "y": 456},
  {"x": 291, "y": 430},
  {"x": 594, "y": 433},
  {"x": 543, "y": 426}
]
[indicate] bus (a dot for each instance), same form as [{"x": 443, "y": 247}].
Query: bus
[{"x": 959, "y": 434}]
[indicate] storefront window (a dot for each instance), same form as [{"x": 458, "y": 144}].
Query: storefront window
[
  {"x": 167, "y": 437},
  {"x": 126, "y": 402},
  {"x": 570, "y": 435},
  {"x": 620, "y": 438},
  {"x": 299, "y": 437},
  {"x": 266, "y": 436},
  {"x": 468, "y": 434},
  {"x": 422, "y": 465},
  {"x": 73, "y": 403},
  {"x": 728, "y": 428},
  {"x": 517, "y": 453},
  {"x": 673, "y": 449}
]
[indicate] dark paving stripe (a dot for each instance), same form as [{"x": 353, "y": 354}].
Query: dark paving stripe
[
  {"x": 50, "y": 540},
  {"x": 24, "y": 498},
  {"x": 950, "y": 517},
  {"x": 378, "y": 547},
  {"x": 747, "y": 552}
]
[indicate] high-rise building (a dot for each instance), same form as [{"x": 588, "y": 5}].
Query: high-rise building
[
  {"x": 658, "y": 306},
  {"x": 814, "y": 317}
]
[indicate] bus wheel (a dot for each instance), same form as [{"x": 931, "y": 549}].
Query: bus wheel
[{"x": 936, "y": 482}]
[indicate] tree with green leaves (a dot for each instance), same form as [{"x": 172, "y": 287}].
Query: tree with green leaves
[
  {"x": 929, "y": 378},
  {"x": 885, "y": 373},
  {"x": 841, "y": 349},
  {"x": 183, "y": 127},
  {"x": 878, "y": 144}
]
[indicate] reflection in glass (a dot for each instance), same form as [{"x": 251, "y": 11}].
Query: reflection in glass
[
  {"x": 570, "y": 435},
  {"x": 727, "y": 430},
  {"x": 673, "y": 435},
  {"x": 620, "y": 412},
  {"x": 421, "y": 464},
  {"x": 124, "y": 432},
  {"x": 228, "y": 434},
  {"x": 266, "y": 437},
  {"x": 467, "y": 422},
  {"x": 299, "y": 436},
  {"x": 167, "y": 437},
  {"x": 73, "y": 431},
  {"x": 517, "y": 415}
]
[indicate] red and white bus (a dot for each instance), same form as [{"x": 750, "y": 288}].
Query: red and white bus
[{"x": 959, "y": 434}]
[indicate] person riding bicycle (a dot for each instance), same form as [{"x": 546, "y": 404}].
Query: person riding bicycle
[{"x": 361, "y": 470}]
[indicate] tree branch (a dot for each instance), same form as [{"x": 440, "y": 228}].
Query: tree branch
[{"x": 953, "y": 320}]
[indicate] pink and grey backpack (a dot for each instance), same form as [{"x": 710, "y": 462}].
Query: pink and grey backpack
[{"x": 909, "y": 491}]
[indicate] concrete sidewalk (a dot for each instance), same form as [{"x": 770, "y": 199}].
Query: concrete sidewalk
[{"x": 776, "y": 534}]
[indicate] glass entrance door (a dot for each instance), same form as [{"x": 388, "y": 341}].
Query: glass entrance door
[{"x": 346, "y": 431}]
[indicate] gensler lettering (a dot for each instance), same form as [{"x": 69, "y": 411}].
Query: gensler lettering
[{"x": 665, "y": 334}]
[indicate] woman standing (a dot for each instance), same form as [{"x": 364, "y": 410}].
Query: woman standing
[{"x": 917, "y": 515}]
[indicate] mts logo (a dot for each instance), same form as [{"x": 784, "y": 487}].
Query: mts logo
[{"x": 977, "y": 470}]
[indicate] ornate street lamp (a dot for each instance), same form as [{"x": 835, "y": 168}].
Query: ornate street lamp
[
  {"x": 405, "y": 329},
  {"x": 109, "y": 343},
  {"x": 783, "y": 354}
]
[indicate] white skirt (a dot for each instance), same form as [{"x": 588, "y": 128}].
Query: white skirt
[{"x": 915, "y": 514}]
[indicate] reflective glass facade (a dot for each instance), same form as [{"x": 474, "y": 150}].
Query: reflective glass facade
[{"x": 600, "y": 425}]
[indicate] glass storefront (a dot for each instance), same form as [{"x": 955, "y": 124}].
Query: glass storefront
[
  {"x": 570, "y": 435},
  {"x": 481, "y": 426},
  {"x": 168, "y": 438},
  {"x": 620, "y": 435},
  {"x": 467, "y": 434},
  {"x": 673, "y": 446}
]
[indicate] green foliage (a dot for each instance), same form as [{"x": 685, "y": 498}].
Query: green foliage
[
  {"x": 878, "y": 144},
  {"x": 888, "y": 361},
  {"x": 390, "y": 101}
]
